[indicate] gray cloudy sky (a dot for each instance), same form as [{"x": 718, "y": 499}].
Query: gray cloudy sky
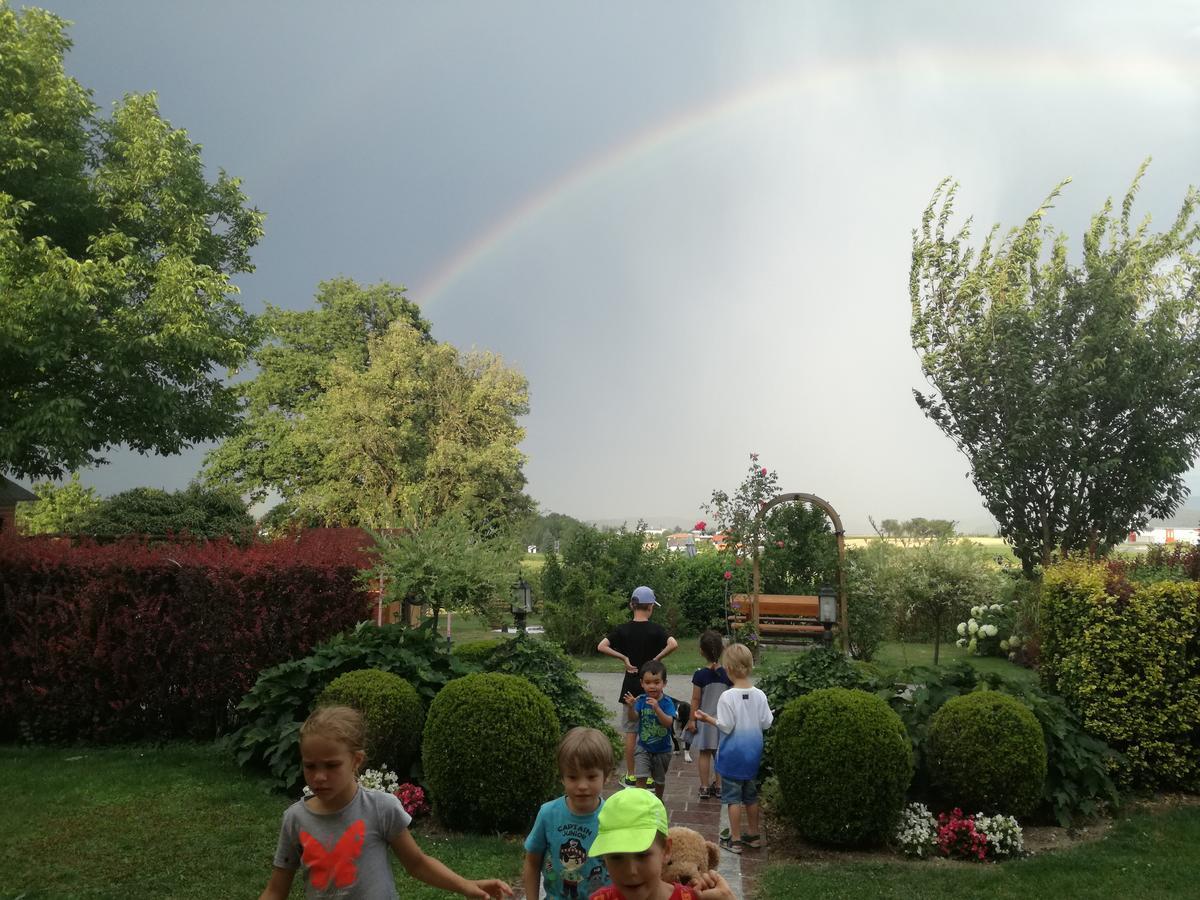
[{"x": 687, "y": 223}]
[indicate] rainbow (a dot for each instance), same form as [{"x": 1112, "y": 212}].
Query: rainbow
[{"x": 961, "y": 68}]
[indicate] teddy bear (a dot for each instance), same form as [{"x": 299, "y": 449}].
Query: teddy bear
[{"x": 691, "y": 854}]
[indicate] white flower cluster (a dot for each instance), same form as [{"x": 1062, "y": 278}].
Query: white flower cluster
[
  {"x": 977, "y": 629},
  {"x": 916, "y": 835},
  {"x": 380, "y": 779},
  {"x": 1004, "y": 835}
]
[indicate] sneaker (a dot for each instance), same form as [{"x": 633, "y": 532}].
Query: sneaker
[
  {"x": 650, "y": 784},
  {"x": 628, "y": 781},
  {"x": 751, "y": 841},
  {"x": 731, "y": 845},
  {"x": 704, "y": 794}
]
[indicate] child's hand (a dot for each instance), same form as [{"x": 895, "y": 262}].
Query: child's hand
[
  {"x": 691, "y": 725},
  {"x": 629, "y": 699},
  {"x": 488, "y": 887},
  {"x": 711, "y": 886},
  {"x": 652, "y": 703}
]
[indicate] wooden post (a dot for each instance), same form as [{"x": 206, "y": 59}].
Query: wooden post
[{"x": 756, "y": 587}]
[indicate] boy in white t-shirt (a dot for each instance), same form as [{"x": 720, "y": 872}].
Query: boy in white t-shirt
[{"x": 742, "y": 717}]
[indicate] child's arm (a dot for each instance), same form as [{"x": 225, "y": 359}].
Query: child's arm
[
  {"x": 630, "y": 702},
  {"x": 608, "y": 650},
  {"x": 665, "y": 719},
  {"x": 279, "y": 885},
  {"x": 437, "y": 874},
  {"x": 672, "y": 646},
  {"x": 711, "y": 886},
  {"x": 696, "y": 693},
  {"x": 531, "y": 875}
]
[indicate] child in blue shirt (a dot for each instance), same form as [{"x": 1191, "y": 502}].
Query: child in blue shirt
[
  {"x": 556, "y": 851},
  {"x": 654, "y": 712}
]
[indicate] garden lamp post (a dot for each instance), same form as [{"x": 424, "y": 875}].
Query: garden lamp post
[
  {"x": 827, "y": 599},
  {"x": 523, "y": 600}
]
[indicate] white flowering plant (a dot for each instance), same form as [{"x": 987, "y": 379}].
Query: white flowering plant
[
  {"x": 991, "y": 630},
  {"x": 916, "y": 835},
  {"x": 1004, "y": 836},
  {"x": 381, "y": 779}
]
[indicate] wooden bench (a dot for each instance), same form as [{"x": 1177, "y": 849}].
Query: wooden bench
[{"x": 795, "y": 615}]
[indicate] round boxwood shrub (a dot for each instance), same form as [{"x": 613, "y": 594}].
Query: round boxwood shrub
[
  {"x": 986, "y": 752},
  {"x": 844, "y": 762},
  {"x": 477, "y": 653},
  {"x": 489, "y": 753},
  {"x": 392, "y": 711}
]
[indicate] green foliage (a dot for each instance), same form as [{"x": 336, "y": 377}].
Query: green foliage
[
  {"x": 844, "y": 764},
  {"x": 986, "y": 753},
  {"x": 197, "y": 511},
  {"x": 942, "y": 580},
  {"x": 800, "y": 554},
  {"x": 58, "y": 509},
  {"x": 812, "y": 671},
  {"x": 585, "y": 589},
  {"x": 699, "y": 586},
  {"x": 489, "y": 752},
  {"x": 875, "y": 579},
  {"x": 551, "y": 671},
  {"x": 737, "y": 515},
  {"x": 545, "y": 530},
  {"x": 1126, "y": 657},
  {"x": 392, "y": 711},
  {"x": 1078, "y": 782},
  {"x": 476, "y": 653},
  {"x": 284, "y": 695},
  {"x": 1059, "y": 382},
  {"x": 359, "y": 417},
  {"x": 919, "y": 529},
  {"x": 116, "y": 256},
  {"x": 446, "y": 563}
]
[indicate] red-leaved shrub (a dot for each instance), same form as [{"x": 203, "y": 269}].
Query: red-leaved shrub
[{"x": 130, "y": 641}]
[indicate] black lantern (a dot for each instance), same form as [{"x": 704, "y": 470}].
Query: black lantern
[
  {"x": 522, "y": 603},
  {"x": 827, "y": 611}
]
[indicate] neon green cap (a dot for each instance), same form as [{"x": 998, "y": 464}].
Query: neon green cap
[{"x": 628, "y": 822}]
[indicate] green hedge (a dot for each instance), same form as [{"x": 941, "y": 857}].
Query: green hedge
[
  {"x": 844, "y": 763},
  {"x": 1126, "y": 657},
  {"x": 392, "y": 711},
  {"x": 986, "y": 753},
  {"x": 489, "y": 753}
]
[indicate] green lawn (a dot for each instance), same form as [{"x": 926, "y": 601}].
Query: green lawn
[
  {"x": 175, "y": 821},
  {"x": 1147, "y": 856}
]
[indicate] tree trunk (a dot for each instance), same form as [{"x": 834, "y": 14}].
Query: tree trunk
[{"x": 937, "y": 637}]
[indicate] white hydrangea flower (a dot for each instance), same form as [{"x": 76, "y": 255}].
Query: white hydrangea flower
[
  {"x": 996, "y": 607},
  {"x": 1004, "y": 646},
  {"x": 962, "y": 629},
  {"x": 973, "y": 626},
  {"x": 961, "y": 642},
  {"x": 976, "y": 612},
  {"x": 989, "y": 630},
  {"x": 971, "y": 646}
]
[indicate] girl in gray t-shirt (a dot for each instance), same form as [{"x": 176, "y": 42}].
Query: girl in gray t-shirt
[{"x": 340, "y": 836}]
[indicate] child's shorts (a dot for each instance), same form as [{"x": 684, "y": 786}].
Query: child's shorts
[
  {"x": 734, "y": 793},
  {"x": 651, "y": 765}
]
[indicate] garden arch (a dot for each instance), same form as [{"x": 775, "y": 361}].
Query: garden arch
[{"x": 838, "y": 532}]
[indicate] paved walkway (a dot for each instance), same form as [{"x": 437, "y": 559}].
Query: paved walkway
[{"x": 684, "y": 806}]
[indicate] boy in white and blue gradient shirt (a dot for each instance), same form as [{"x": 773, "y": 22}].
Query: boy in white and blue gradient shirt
[{"x": 742, "y": 717}]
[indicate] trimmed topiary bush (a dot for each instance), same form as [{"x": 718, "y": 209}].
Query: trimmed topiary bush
[
  {"x": 476, "y": 653},
  {"x": 986, "y": 753},
  {"x": 489, "y": 753},
  {"x": 392, "y": 711},
  {"x": 844, "y": 763}
]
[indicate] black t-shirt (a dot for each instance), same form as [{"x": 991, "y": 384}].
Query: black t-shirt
[{"x": 640, "y": 641}]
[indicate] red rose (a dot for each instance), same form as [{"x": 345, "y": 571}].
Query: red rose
[{"x": 728, "y": 574}]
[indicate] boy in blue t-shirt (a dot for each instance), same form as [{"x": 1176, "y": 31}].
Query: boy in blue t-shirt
[
  {"x": 556, "y": 851},
  {"x": 654, "y": 713}
]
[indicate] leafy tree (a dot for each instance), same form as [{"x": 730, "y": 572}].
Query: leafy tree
[
  {"x": 58, "y": 509},
  {"x": 1073, "y": 390},
  {"x": 918, "y": 528},
  {"x": 737, "y": 515},
  {"x": 547, "y": 529},
  {"x": 940, "y": 581},
  {"x": 358, "y": 417},
  {"x": 447, "y": 564},
  {"x": 199, "y": 511},
  {"x": 116, "y": 254},
  {"x": 800, "y": 554}
]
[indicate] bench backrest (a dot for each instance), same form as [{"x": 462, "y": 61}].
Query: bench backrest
[{"x": 779, "y": 605}]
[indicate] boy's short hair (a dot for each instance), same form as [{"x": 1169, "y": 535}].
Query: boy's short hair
[
  {"x": 711, "y": 645},
  {"x": 652, "y": 667},
  {"x": 738, "y": 660},
  {"x": 582, "y": 749},
  {"x": 629, "y": 822}
]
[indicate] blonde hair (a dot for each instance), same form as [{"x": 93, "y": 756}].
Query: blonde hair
[
  {"x": 343, "y": 724},
  {"x": 585, "y": 748},
  {"x": 738, "y": 660}
]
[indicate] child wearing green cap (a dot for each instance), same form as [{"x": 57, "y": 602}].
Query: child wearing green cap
[{"x": 634, "y": 845}]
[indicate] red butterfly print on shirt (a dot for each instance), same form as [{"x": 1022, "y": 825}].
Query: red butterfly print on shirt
[{"x": 336, "y": 864}]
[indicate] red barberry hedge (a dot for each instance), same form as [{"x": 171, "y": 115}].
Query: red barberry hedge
[{"x": 132, "y": 641}]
